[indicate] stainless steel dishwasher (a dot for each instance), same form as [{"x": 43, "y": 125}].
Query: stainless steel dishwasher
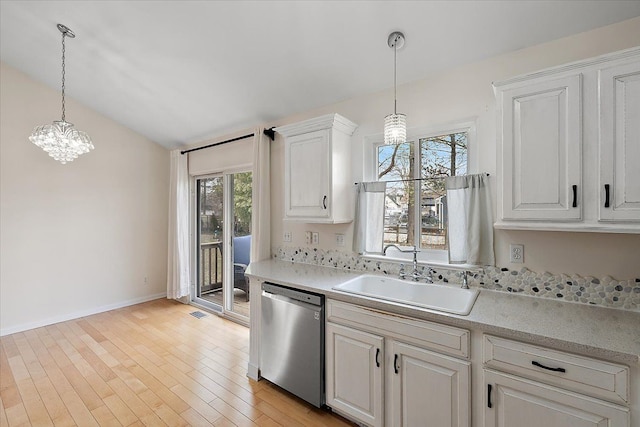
[{"x": 292, "y": 341}]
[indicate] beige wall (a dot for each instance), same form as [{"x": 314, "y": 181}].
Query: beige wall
[
  {"x": 82, "y": 237},
  {"x": 464, "y": 93}
]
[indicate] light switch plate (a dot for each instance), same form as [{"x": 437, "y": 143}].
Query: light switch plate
[
  {"x": 516, "y": 253},
  {"x": 307, "y": 237},
  {"x": 315, "y": 238}
]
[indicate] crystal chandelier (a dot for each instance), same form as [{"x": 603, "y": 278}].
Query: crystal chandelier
[
  {"x": 395, "y": 125},
  {"x": 60, "y": 139}
]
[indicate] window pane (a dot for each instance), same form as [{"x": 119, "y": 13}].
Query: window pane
[
  {"x": 440, "y": 156},
  {"x": 395, "y": 162}
]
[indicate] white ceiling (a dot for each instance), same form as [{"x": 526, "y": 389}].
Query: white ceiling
[{"x": 182, "y": 71}]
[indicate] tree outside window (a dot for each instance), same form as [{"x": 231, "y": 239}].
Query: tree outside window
[{"x": 409, "y": 219}]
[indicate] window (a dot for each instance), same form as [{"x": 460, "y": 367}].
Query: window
[{"x": 416, "y": 211}]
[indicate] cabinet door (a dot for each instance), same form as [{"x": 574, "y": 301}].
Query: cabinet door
[
  {"x": 512, "y": 401},
  {"x": 307, "y": 176},
  {"x": 428, "y": 388},
  {"x": 541, "y": 150},
  {"x": 354, "y": 369},
  {"x": 620, "y": 143}
]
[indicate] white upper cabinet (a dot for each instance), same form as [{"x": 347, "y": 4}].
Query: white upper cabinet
[
  {"x": 542, "y": 150},
  {"x": 317, "y": 176},
  {"x": 619, "y": 142},
  {"x": 569, "y": 147}
]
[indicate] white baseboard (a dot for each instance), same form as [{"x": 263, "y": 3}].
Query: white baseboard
[{"x": 78, "y": 314}]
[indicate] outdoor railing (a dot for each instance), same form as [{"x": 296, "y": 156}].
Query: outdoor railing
[{"x": 210, "y": 266}]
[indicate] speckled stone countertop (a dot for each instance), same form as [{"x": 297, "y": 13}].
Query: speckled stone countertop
[{"x": 603, "y": 333}]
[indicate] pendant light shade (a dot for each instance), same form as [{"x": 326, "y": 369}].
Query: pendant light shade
[
  {"x": 395, "y": 125},
  {"x": 60, "y": 139}
]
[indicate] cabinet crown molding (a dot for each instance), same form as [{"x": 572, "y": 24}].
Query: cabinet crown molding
[
  {"x": 627, "y": 53},
  {"x": 328, "y": 121}
]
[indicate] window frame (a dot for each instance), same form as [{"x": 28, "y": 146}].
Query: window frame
[{"x": 415, "y": 135}]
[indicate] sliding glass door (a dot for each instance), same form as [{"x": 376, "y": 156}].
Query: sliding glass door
[{"x": 223, "y": 243}]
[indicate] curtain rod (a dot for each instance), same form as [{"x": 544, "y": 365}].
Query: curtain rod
[
  {"x": 269, "y": 132},
  {"x": 419, "y": 179}
]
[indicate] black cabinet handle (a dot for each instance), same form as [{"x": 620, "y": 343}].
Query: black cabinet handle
[
  {"x": 575, "y": 196},
  {"x": 377, "y": 357},
  {"x": 395, "y": 363},
  {"x": 540, "y": 365},
  {"x": 606, "y": 195},
  {"x": 489, "y": 404},
  {"x": 324, "y": 202}
]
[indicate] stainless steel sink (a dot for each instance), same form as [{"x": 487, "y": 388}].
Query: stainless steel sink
[{"x": 440, "y": 297}]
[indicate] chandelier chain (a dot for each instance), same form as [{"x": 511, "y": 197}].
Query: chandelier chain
[{"x": 63, "y": 72}]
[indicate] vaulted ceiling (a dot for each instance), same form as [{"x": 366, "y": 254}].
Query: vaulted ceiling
[{"x": 182, "y": 71}]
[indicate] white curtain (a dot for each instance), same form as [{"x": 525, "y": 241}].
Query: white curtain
[
  {"x": 260, "y": 198},
  {"x": 369, "y": 222},
  {"x": 470, "y": 228},
  {"x": 178, "y": 261}
]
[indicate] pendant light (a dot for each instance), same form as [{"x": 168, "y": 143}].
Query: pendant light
[
  {"x": 60, "y": 139},
  {"x": 395, "y": 125}
]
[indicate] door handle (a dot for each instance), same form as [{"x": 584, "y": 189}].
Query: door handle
[
  {"x": 395, "y": 364},
  {"x": 324, "y": 202},
  {"x": 489, "y": 404},
  {"x": 377, "y": 357},
  {"x": 575, "y": 196},
  {"x": 606, "y": 195}
]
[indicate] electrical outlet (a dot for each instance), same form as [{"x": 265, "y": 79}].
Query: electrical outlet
[
  {"x": 516, "y": 253},
  {"x": 286, "y": 236},
  {"x": 307, "y": 237},
  {"x": 339, "y": 239},
  {"x": 315, "y": 238}
]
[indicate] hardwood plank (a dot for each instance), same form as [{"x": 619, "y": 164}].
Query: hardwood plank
[
  {"x": 105, "y": 417},
  {"x": 197, "y": 403},
  {"x": 33, "y": 404},
  {"x": 17, "y": 415}
]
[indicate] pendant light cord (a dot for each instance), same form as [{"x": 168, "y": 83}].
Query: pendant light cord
[
  {"x": 395, "y": 82},
  {"x": 63, "y": 50}
]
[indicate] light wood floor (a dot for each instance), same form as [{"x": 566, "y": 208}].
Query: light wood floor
[{"x": 150, "y": 364}]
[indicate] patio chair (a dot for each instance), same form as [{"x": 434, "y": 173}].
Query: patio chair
[{"x": 241, "y": 251}]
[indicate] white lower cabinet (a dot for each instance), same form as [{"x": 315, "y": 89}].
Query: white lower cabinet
[
  {"x": 518, "y": 402},
  {"x": 354, "y": 373},
  {"x": 376, "y": 378},
  {"x": 551, "y": 388},
  {"x": 427, "y": 388}
]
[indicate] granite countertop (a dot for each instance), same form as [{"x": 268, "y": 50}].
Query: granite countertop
[{"x": 599, "y": 332}]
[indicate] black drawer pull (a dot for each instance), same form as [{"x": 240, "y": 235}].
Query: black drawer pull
[
  {"x": 540, "y": 365},
  {"x": 606, "y": 195},
  {"x": 489, "y": 405},
  {"x": 575, "y": 196},
  {"x": 395, "y": 364},
  {"x": 324, "y": 202},
  {"x": 377, "y": 357}
]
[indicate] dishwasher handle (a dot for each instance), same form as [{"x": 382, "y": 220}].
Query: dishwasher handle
[{"x": 287, "y": 294}]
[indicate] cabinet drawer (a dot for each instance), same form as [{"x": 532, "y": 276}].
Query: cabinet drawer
[
  {"x": 443, "y": 339},
  {"x": 596, "y": 378}
]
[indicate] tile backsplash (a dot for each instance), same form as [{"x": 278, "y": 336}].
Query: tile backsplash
[{"x": 604, "y": 291}]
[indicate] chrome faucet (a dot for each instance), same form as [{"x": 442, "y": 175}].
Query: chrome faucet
[
  {"x": 415, "y": 275},
  {"x": 465, "y": 283}
]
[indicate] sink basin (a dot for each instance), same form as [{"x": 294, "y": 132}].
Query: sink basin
[{"x": 432, "y": 296}]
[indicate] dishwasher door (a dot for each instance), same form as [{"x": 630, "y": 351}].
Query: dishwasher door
[{"x": 292, "y": 341}]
